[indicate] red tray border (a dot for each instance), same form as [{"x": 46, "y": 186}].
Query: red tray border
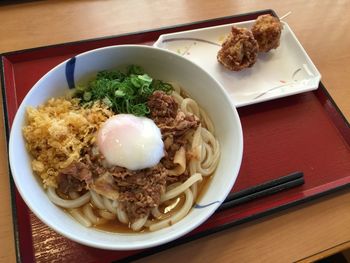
[{"x": 333, "y": 110}]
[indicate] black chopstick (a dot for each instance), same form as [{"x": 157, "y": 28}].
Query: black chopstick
[{"x": 265, "y": 189}]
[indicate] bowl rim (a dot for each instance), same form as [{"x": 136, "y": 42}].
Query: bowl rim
[{"x": 17, "y": 123}]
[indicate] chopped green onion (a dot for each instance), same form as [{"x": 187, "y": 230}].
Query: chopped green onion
[
  {"x": 87, "y": 96},
  {"x": 107, "y": 101},
  {"x": 122, "y": 93},
  {"x": 119, "y": 93}
]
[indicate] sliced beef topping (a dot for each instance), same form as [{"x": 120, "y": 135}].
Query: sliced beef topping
[
  {"x": 180, "y": 125},
  {"x": 163, "y": 107},
  {"x": 74, "y": 177},
  {"x": 141, "y": 191},
  {"x": 105, "y": 185},
  {"x": 165, "y": 113},
  {"x": 68, "y": 183}
]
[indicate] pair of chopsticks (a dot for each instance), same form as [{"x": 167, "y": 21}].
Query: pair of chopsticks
[{"x": 264, "y": 189}]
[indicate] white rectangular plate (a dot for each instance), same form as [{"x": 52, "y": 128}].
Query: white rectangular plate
[{"x": 281, "y": 72}]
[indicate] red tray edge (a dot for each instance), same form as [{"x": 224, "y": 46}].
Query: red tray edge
[{"x": 336, "y": 115}]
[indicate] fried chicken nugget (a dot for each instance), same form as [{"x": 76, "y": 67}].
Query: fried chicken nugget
[
  {"x": 267, "y": 31},
  {"x": 239, "y": 50}
]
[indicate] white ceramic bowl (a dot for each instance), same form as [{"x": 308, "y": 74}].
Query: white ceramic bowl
[{"x": 160, "y": 64}]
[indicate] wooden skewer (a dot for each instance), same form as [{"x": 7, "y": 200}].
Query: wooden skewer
[{"x": 284, "y": 16}]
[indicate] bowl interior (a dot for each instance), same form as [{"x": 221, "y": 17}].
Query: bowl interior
[{"x": 159, "y": 64}]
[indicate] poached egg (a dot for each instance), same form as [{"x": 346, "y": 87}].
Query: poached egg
[{"x": 131, "y": 142}]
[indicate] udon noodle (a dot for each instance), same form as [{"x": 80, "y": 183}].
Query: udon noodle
[{"x": 197, "y": 159}]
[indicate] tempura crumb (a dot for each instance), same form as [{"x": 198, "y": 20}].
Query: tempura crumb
[{"x": 56, "y": 133}]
